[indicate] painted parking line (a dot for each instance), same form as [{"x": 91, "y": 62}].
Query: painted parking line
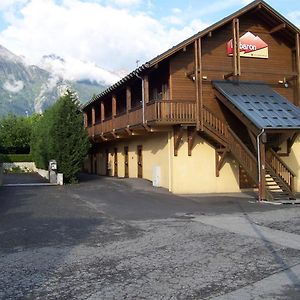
[{"x": 243, "y": 225}]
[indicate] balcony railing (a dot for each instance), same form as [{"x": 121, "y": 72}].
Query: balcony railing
[{"x": 163, "y": 112}]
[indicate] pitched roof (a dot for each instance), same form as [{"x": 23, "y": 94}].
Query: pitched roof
[
  {"x": 191, "y": 39},
  {"x": 260, "y": 104}
]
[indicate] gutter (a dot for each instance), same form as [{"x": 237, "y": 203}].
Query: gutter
[{"x": 259, "y": 162}]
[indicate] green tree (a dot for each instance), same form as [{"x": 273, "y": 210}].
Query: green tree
[
  {"x": 15, "y": 133},
  {"x": 60, "y": 135}
]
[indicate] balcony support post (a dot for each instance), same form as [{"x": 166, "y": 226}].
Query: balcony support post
[
  {"x": 93, "y": 116},
  {"x": 102, "y": 111},
  {"x": 196, "y": 45},
  {"x": 178, "y": 134},
  {"x": 191, "y": 132},
  {"x": 296, "y": 102},
  {"x": 128, "y": 99}
]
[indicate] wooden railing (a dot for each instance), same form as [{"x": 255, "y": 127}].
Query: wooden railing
[
  {"x": 213, "y": 123},
  {"x": 167, "y": 111},
  {"x": 107, "y": 125},
  {"x": 121, "y": 120},
  {"x": 239, "y": 150},
  {"x": 281, "y": 169},
  {"x": 171, "y": 111},
  {"x": 244, "y": 156},
  {"x": 135, "y": 116}
]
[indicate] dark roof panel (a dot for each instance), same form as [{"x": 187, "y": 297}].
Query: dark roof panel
[{"x": 260, "y": 104}]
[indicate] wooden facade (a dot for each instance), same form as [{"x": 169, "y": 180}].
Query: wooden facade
[{"x": 173, "y": 93}]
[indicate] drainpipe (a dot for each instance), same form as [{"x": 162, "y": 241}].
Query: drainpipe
[
  {"x": 259, "y": 160},
  {"x": 143, "y": 96}
]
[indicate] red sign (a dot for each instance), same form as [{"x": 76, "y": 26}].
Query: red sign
[{"x": 250, "y": 46}]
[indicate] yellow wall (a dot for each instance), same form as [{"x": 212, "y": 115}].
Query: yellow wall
[
  {"x": 154, "y": 153},
  {"x": 293, "y": 161},
  {"x": 196, "y": 173},
  {"x": 182, "y": 174}
]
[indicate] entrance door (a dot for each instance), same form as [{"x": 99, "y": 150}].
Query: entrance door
[
  {"x": 140, "y": 161},
  {"x": 116, "y": 162},
  {"x": 126, "y": 162},
  {"x": 106, "y": 163}
]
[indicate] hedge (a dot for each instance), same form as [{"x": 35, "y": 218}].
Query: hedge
[{"x": 15, "y": 158}]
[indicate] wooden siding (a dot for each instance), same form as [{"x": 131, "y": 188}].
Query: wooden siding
[
  {"x": 216, "y": 63},
  {"x": 181, "y": 86}
]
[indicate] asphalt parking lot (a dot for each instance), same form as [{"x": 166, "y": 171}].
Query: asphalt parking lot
[{"x": 109, "y": 238}]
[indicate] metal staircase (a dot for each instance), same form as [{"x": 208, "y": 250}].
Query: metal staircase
[{"x": 279, "y": 178}]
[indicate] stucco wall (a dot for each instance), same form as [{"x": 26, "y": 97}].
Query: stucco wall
[
  {"x": 293, "y": 161},
  {"x": 182, "y": 174},
  {"x": 197, "y": 173},
  {"x": 155, "y": 153}
]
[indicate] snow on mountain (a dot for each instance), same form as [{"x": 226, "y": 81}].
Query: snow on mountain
[
  {"x": 77, "y": 70},
  {"x": 31, "y": 88}
]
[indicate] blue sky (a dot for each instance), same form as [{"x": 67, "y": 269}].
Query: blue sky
[{"x": 111, "y": 34}]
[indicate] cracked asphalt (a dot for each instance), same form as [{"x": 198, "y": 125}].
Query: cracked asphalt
[{"x": 109, "y": 238}]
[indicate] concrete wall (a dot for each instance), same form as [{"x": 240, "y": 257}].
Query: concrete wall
[
  {"x": 180, "y": 174},
  {"x": 25, "y": 166}
]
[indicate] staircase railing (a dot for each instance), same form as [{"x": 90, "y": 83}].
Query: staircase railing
[
  {"x": 281, "y": 169},
  {"x": 214, "y": 124},
  {"x": 244, "y": 156}
]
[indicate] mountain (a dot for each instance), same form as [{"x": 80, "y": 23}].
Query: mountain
[{"x": 25, "y": 89}]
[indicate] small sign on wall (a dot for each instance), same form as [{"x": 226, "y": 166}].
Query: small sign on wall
[{"x": 250, "y": 46}]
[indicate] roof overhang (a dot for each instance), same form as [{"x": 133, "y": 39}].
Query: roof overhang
[{"x": 260, "y": 104}]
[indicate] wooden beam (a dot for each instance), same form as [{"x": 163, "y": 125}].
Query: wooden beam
[
  {"x": 128, "y": 99},
  {"x": 237, "y": 112},
  {"x": 200, "y": 103},
  {"x": 178, "y": 134},
  {"x": 128, "y": 131},
  {"x": 147, "y": 128},
  {"x": 220, "y": 155},
  {"x": 114, "y": 105},
  {"x": 298, "y": 68},
  {"x": 146, "y": 88},
  {"x": 290, "y": 142},
  {"x": 278, "y": 28},
  {"x": 191, "y": 132},
  {"x": 93, "y": 116},
  {"x": 253, "y": 138},
  {"x": 102, "y": 111},
  {"x": 236, "y": 47},
  {"x": 226, "y": 76},
  {"x": 196, "y": 59}
]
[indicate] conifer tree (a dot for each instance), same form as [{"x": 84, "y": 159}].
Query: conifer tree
[{"x": 61, "y": 136}]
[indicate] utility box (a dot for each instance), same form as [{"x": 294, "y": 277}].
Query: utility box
[
  {"x": 156, "y": 176},
  {"x": 52, "y": 168}
]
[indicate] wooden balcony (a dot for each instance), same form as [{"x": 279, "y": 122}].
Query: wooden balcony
[{"x": 166, "y": 112}]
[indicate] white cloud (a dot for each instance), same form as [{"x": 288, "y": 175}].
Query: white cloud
[
  {"x": 125, "y": 3},
  {"x": 73, "y": 69},
  {"x": 102, "y": 35},
  {"x": 12, "y": 85},
  {"x": 176, "y": 10},
  {"x": 5, "y": 4}
]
